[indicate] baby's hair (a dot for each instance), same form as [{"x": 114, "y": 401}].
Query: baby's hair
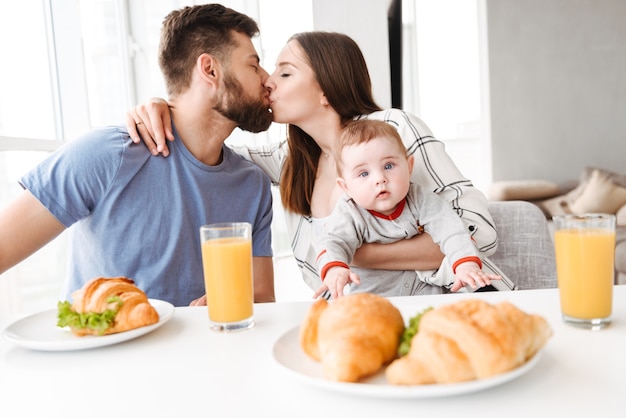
[{"x": 362, "y": 131}]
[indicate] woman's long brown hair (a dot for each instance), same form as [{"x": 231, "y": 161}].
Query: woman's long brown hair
[{"x": 342, "y": 75}]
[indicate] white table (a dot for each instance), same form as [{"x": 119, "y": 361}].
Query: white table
[{"x": 184, "y": 369}]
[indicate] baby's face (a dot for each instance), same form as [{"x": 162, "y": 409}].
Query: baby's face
[{"x": 376, "y": 174}]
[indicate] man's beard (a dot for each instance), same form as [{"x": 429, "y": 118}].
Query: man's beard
[{"x": 250, "y": 115}]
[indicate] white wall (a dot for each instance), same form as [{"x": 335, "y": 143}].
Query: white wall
[
  {"x": 365, "y": 21},
  {"x": 558, "y": 87}
]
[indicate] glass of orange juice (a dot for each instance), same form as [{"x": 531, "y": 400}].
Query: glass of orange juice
[
  {"x": 227, "y": 263},
  {"x": 585, "y": 262}
]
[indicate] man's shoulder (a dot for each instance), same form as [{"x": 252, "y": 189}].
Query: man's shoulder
[
  {"x": 95, "y": 144},
  {"x": 101, "y": 133},
  {"x": 101, "y": 139}
]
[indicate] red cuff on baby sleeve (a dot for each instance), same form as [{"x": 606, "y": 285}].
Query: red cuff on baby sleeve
[
  {"x": 465, "y": 260},
  {"x": 331, "y": 265}
]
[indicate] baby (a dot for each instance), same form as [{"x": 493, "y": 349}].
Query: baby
[{"x": 382, "y": 205}]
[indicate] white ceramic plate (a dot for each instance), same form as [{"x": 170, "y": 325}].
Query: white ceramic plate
[
  {"x": 39, "y": 331},
  {"x": 289, "y": 355}
]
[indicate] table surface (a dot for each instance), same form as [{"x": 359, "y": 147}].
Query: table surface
[{"x": 183, "y": 368}]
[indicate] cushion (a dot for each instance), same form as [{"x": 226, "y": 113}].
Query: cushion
[
  {"x": 619, "y": 179},
  {"x": 560, "y": 205},
  {"x": 523, "y": 190},
  {"x": 600, "y": 195}
]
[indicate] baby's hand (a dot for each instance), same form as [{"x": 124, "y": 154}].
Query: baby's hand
[
  {"x": 471, "y": 274},
  {"x": 336, "y": 279}
]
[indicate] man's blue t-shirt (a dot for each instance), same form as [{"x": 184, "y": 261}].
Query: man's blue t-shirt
[{"x": 138, "y": 216}]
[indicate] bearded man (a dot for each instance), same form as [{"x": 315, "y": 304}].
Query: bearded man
[{"x": 138, "y": 216}]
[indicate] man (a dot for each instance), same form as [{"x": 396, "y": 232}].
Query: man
[{"x": 138, "y": 216}]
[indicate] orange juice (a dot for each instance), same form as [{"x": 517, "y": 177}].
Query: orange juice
[
  {"x": 227, "y": 266},
  {"x": 585, "y": 263}
]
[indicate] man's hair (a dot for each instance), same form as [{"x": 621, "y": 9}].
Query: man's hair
[
  {"x": 362, "y": 131},
  {"x": 192, "y": 31}
]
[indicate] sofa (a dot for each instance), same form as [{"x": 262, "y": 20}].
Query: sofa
[
  {"x": 597, "y": 190},
  {"x": 525, "y": 250}
]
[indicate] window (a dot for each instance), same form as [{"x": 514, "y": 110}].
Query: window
[{"x": 444, "y": 79}]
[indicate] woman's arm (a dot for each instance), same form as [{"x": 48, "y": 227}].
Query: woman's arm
[
  {"x": 151, "y": 122},
  {"x": 417, "y": 253}
]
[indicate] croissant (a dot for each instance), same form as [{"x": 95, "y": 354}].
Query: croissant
[
  {"x": 353, "y": 336},
  {"x": 467, "y": 340},
  {"x": 95, "y": 297}
]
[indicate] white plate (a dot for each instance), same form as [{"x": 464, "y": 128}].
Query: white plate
[
  {"x": 289, "y": 355},
  {"x": 39, "y": 331}
]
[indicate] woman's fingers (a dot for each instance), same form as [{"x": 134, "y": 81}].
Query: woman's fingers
[
  {"x": 131, "y": 126},
  {"x": 152, "y": 124},
  {"x": 156, "y": 116}
]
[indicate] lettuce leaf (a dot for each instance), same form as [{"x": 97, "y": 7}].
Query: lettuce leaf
[
  {"x": 100, "y": 322},
  {"x": 409, "y": 332}
]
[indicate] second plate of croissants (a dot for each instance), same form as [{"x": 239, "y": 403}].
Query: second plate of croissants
[{"x": 469, "y": 341}]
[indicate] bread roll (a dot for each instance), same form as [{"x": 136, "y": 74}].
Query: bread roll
[{"x": 353, "y": 336}]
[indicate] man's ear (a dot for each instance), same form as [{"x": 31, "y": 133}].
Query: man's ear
[
  {"x": 208, "y": 68},
  {"x": 410, "y": 160}
]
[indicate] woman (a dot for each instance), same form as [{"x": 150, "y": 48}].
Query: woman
[{"x": 321, "y": 83}]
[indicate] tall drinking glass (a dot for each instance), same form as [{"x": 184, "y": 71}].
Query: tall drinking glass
[
  {"x": 227, "y": 263},
  {"x": 585, "y": 260}
]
